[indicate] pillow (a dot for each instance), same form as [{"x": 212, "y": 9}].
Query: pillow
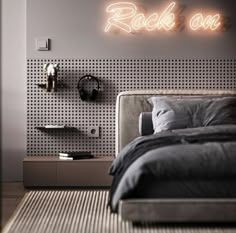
[
  {"x": 145, "y": 123},
  {"x": 221, "y": 111},
  {"x": 179, "y": 113}
]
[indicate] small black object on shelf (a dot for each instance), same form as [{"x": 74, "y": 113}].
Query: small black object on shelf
[
  {"x": 75, "y": 155},
  {"x": 42, "y": 85}
]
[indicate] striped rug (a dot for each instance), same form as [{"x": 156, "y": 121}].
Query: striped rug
[{"x": 83, "y": 212}]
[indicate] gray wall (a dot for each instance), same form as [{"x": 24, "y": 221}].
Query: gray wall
[
  {"x": 13, "y": 88},
  {"x": 76, "y": 28}
]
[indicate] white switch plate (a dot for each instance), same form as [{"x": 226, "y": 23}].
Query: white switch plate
[
  {"x": 42, "y": 44},
  {"x": 93, "y": 131}
]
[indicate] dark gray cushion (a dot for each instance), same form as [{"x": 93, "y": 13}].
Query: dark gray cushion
[
  {"x": 145, "y": 124},
  {"x": 178, "y": 113},
  {"x": 220, "y": 111}
]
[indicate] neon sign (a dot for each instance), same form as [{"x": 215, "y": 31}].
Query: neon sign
[
  {"x": 127, "y": 18},
  {"x": 211, "y": 22}
]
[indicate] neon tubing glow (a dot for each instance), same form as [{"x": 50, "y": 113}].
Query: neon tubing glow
[
  {"x": 126, "y": 18},
  {"x": 210, "y": 22}
]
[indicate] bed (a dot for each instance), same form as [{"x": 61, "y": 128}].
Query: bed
[{"x": 158, "y": 177}]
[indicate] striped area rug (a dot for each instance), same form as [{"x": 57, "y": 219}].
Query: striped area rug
[{"x": 83, "y": 212}]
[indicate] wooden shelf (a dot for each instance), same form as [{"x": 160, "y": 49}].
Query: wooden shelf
[{"x": 56, "y": 158}]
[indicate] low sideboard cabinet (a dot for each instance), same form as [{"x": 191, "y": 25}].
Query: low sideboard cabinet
[{"x": 51, "y": 171}]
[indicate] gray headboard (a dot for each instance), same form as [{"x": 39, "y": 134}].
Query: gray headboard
[{"x": 130, "y": 104}]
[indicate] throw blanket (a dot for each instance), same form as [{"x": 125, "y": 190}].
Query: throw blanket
[{"x": 196, "y": 153}]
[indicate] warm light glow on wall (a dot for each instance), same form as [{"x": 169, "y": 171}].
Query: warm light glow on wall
[
  {"x": 210, "y": 22},
  {"x": 126, "y": 17}
]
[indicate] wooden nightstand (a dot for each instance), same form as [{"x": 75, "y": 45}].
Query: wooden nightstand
[{"x": 51, "y": 171}]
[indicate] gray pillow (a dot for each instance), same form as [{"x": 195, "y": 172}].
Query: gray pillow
[
  {"x": 178, "y": 113},
  {"x": 219, "y": 111}
]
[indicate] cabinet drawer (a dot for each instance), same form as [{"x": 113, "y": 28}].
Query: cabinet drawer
[
  {"x": 74, "y": 173},
  {"x": 40, "y": 173}
]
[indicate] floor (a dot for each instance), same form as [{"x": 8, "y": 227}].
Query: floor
[
  {"x": 73, "y": 211},
  {"x": 11, "y": 195}
]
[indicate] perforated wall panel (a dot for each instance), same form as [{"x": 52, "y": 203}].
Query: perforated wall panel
[{"x": 115, "y": 75}]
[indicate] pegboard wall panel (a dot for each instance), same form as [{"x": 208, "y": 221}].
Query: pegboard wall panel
[{"x": 115, "y": 75}]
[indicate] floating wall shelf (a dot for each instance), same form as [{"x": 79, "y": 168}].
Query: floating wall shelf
[
  {"x": 59, "y": 85},
  {"x": 66, "y": 128}
]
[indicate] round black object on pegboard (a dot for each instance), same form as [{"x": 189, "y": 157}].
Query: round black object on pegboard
[{"x": 84, "y": 93}]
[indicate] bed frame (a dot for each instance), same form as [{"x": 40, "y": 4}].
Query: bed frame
[{"x": 165, "y": 210}]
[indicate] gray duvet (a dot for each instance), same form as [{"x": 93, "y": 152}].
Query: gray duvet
[{"x": 196, "y": 162}]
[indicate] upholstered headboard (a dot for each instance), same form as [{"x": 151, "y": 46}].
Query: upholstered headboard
[{"x": 130, "y": 104}]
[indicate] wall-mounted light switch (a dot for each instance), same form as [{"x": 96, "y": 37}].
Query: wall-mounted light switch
[
  {"x": 93, "y": 131},
  {"x": 42, "y": 44}
]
